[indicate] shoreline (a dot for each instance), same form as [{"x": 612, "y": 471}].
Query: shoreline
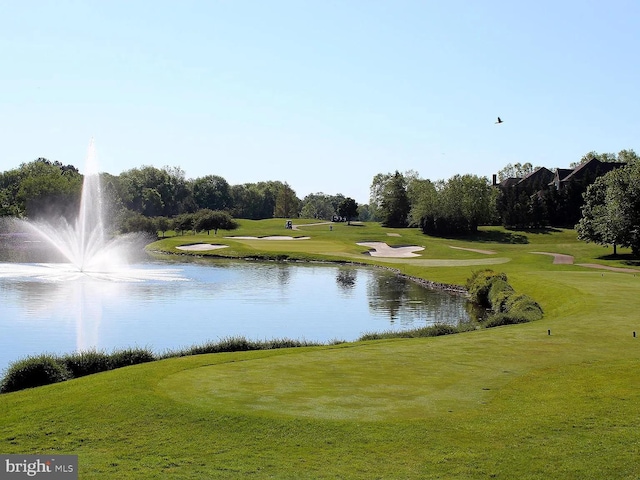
[{"x": 445, "y": 287}]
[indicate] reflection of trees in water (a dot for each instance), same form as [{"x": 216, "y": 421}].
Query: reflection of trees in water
[
  {"x": 284, "y": 274},
  {"x": 387, "y": 293},
  {"x": 346, "y": 279},
  {"x": 412, "y": 304}
]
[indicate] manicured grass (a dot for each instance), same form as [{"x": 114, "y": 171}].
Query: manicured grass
[{"x": 510, "y": 402}]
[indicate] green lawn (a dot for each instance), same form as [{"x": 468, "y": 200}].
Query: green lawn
[{"x": 511, "y": 402}]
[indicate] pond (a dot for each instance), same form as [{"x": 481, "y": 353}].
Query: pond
[{"x": 170, "y": 305}]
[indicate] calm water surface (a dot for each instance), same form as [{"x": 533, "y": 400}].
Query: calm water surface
[{"x": 210, "y": 300}]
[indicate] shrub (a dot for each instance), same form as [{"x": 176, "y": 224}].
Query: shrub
[
  {"x": 499, "y": 293},
  {"x": 479, "y": 284},
  {"x": 33, "y": 372},
  {"x": 86, "y": 363},
  {"x": 500, "y": 319},
  {"x": 490, "y": 289},
  {"x": 525, "y": 306},
  {"x": 130, "y": 356},
  {"x": 435, "y": 330}
]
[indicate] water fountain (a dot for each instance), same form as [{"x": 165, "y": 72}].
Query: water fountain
[
  {"x": 96, "y": 265},
  {"x": 84, "y": 243},
  {"x": 99, "y": 296}
]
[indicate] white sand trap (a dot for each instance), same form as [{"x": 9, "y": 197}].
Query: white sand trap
[
  {"x": 200, "y": 247},
  {"x": 558, "y": 258},
  {"x": 272, "y": 237},
  {"x": 484, "y": 252},
  {"x": 381, "y": 249},
  {"x": 393, "y": 234}
]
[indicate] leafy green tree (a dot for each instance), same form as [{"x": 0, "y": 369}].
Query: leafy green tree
[
  {"x": 287, "y": 204},
  {"x": 318, "y": 206},
  {"x": 213, "y": 220},
  {"x": 611, "y": 211},
  {"x": 423, "y": 197},
  {"x": 246, "y": 200},
  {"x": 458, "y": 205},
  {"x": 348, "y": 209},
  {"x": 394, "y": 206},
  {"x": 626, "y": 156},
  {"x": 516, "y": 170},
  {"x": 364, "y": 213},
  {"x": 162, "y": 224},
  {"x": 212, "y": 192},
  {"x": 152, "y": 204},
  {"x": 42, "y": 187},
  {"x": 135, "y": 189},
  {"x": 183, "y": 223},
  {"x": 376, "y": 192},
  {"x": 133, "y": 222}
]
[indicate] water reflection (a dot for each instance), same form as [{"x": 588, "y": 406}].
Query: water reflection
[
  {"x": 346, "y": 279},
  {"x": 203, "y": 300}
]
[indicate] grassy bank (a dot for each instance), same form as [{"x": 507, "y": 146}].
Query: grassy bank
[{"x": 508, "y": 402}]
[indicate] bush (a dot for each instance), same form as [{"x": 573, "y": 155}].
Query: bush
[
  {"x": 34, "y": 372},
  {"x": 429, "y": 331},
  {"x": 86, "y": 363},
  {"x": 130, "y": 356},
  {"x": 492, "y": 290},
  {"x": 524, "y": 306},
  {"x": 500, "y": 319},
  {"x": 499, "y": 293},
  {"x": 479, "y": 284}
]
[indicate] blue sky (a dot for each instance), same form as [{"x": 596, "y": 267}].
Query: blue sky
[{"x": 320, "y": 94}]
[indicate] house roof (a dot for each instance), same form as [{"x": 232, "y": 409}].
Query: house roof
[
  {"x": 591, "y": 166},
  {"x": 541, "y": 173},
  {"x": 509, "y": 182}
]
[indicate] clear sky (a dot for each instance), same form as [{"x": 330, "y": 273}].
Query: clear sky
[{"x": 320, "y": 94}]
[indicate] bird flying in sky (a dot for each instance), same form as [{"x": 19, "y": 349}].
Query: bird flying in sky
[{"x": 499, "y": 120}]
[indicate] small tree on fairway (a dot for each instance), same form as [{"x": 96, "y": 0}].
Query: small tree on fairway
[
  {"x": 183, "y": 222},
  {"x": 213, "y": 220},
  {"x": 162, "y": 224}
]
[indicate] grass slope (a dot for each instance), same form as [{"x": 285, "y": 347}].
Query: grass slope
[{"x": 509, "y": 402}]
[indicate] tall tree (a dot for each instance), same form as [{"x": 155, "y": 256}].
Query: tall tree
[
  {"x": 611, "y": 211},
  {"x": 317, "y": 205},
  {"x": 394, "y": 207},
  {"x": 516, "y": 170},
  {"x": 212, "y": 192},
  {"x": 287, "y": 204},
  {"x": 43, "y": 187}
]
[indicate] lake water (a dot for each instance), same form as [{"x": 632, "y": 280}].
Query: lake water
[{"x": 172, "y": 305}]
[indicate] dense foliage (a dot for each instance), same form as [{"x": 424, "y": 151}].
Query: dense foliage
[
  {"x": 611, "y": 211},
  {"x": 493, "y": 291},
  {"x": 149, "y": 199}
]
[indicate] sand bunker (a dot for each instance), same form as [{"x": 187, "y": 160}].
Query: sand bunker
[
  {"x": 200, "y": 247},
  {"x": 484, "y": 252},
  {"x": 558, "y": 258},
  {"x": 272, "y": 237},
  {"x": 381, "y": 249}
]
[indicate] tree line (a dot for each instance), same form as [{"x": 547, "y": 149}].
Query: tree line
[
  {"x": 132, "y": 199},
  {"x": 604, "y": 208}
]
